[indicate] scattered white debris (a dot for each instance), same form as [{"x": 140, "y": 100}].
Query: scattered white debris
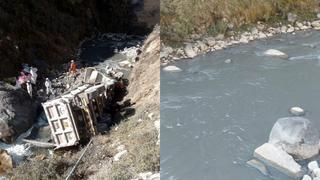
[
  {"x": 172, "y": 69},
  {"x": 278, "y": 159},
  {"x": 119, "y": 155},
  {"x": 150, "y": 116},
  {"x": 297, "y": 111},
  {"x": 120, "y": 148},
  {"x": 17, "y": 151},
  {"x": 125, "y": 63},
  {"x": 157, "y": 125},
  {"x": 148, "y": 176},
  {"x": 131, "y": 52}
]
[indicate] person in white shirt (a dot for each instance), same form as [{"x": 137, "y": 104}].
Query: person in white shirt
[
  {"x": 34, "y": 75},
  {"x": 48, "y": 86},
  {"x": 29, "y": 88}
]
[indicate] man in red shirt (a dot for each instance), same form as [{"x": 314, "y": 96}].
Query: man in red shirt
[{"x": 73, "y": 67}]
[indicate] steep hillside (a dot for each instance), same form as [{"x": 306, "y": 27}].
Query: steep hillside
[{"x": 46, "y": 33}]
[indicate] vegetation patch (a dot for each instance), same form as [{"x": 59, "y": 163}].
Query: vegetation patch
[{"x": 180, "y": 19}]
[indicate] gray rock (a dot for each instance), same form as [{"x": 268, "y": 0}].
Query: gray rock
[
  {"x": 275, "y": 53},
  {"x": 290, "y": 30},
  {"x": 313, "y": 165},
  {"x": 228, "y": 61},
  {"x": 297, "y": 111},
  {"x": 172, "y": 69},
  {"x": 279, "y": 159},
  {"x": 119, "y": 155},
  {"x": 262, "y": 35},
  {"x": 306, "y": 177},
  {"x": 297, "y": 136},
  {"x": 17, "y": 112},
  {"x": 318, "y": 15},
  {"x": 299, "y": 24},
  {"x": 220, "y": 37},
  {"x": 165, "y": 51},
  {"x": 316, "y": 24},
  {"x": 283, "y": 29},
  {"x": 210, "y": 41},
  {"x": 254, "y": 30},
  {"x": 202, "y": 46},
  {"x": 292, "y": 17},
  {"x": 189, "y": 51}
]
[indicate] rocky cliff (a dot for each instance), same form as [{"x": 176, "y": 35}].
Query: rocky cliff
[{"x": 45, "y": 33}]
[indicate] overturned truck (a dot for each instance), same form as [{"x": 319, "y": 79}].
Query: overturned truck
[{"x": 74, "y": 115}]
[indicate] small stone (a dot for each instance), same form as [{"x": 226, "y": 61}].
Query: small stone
[
  {"x": 243, "y": 39},
  {"x": 297, "y": 111},
  {"x": 313, "y": 165},
  {"x": 316, "y": 172},
  {"x": 171, "y": 69},
  {"x": 118, "y": 156},
  {"x": 275, "y": 53},
  {"x": 318, "y": 15},
  {"x": 254, "y": 30},
  {"x": 262, "y": 35},
  {"x": 299, "y": 24},
  {"x": 150, "y": 116},
  {"x": 284, "y": 29},
  {"x": 120, "y": 148},
  {"x": 189, "y": 51},
  {"x": 290, "y": 30},
  {"x": 157, "y": 124},
  {"x": 306, "y": 177},
  {"x": 210, "y": 41},
  {"x": 220, "y": 37},
  {"x": 202, "y": 46},
  {"x": 316, "y": 24},
  {"x": 124, "y": 63},
  {"x": 228, "y": 61}
]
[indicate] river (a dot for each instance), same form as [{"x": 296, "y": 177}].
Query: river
[{"x": 214, "y": 114}]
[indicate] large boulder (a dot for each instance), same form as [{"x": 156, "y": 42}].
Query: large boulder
[
  {"x": 17, "y": 112},
  {"x": 297, "y": 136}
]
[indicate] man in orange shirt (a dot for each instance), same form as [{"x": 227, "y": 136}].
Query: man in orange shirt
[{"x": 73, "y": 67}]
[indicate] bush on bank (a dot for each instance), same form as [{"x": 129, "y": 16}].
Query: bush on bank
[{"x": 182, "y": 18}]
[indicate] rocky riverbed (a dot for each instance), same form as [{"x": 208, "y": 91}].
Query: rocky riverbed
[{"x": 204, "y": 44}]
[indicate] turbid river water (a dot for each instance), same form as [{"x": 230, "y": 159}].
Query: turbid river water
[{"x": 214, "y": 114}]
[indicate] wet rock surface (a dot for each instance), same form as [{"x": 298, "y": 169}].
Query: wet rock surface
[
  {"x": 17, "y": 112},
  {"x": 297, "y": 136}
]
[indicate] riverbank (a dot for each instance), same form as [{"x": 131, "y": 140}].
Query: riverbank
[
  {"x": 201, "y": 42},
  {"x": 207, "y": 44}
]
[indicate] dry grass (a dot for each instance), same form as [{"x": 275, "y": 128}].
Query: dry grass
[{"x": 181, "y": 18}]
